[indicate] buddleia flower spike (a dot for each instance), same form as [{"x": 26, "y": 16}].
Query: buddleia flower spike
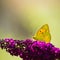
[{"x": 31, "y": 50}]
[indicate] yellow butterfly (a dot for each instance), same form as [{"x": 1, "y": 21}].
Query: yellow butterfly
[{"x": 43, "y": 34}]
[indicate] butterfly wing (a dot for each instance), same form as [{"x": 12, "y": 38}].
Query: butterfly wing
[{"x": 43, "y": 34}]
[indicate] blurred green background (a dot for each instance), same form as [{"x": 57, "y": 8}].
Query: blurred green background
[{"x": 20, "y": 19}]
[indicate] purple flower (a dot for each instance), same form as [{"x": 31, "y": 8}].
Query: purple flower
[{"x": 30, "y": 50}]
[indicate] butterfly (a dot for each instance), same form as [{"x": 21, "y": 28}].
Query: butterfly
[{"x": 43, "y": 34}]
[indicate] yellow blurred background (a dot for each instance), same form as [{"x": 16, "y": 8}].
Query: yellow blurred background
[{"x": 20, "y": 19}]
